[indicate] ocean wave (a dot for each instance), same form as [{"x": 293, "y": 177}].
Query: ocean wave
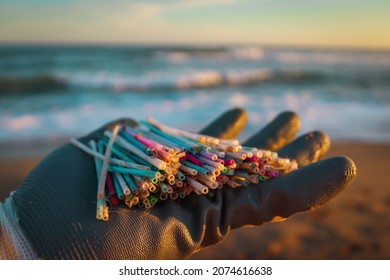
[
  {"x": 329, "y": 57},
  {"x": 190, "y": 79},
  {"x": 179, "y": 55},
  {"x": 341, "y": 119},
  {"x": 163, "y": 81},
  {"x": 40, "y": 83}
]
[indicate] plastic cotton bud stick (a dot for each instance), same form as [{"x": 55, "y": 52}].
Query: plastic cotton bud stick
[
  {"x": 111, "y": 190},
  {"x": 152, "y": 160},
  {"x": 91, "y": 152},
  {"x": 197, "y": 186},
  {"x": 207, "y": 182},
  {"x": 122, "y": 183},
  {"x": 103, "y": 173},
  {"x": 153, "y": 163}
]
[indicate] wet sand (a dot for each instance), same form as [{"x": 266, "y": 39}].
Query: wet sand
[{"x": 354, "y": 225}]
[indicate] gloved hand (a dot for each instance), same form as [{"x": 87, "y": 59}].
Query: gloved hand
[{"x": 56, "y": 206}]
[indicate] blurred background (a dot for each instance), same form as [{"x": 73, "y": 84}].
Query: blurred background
[{"x": 67, "y": 67}]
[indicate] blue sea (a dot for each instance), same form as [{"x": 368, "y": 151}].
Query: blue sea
[{"x": 63, "y": 91}]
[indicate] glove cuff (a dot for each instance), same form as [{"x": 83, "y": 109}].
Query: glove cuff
[{"x": 13, "y": 242}]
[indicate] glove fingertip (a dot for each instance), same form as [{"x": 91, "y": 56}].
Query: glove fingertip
[
  {"x": 344, "y": 173},
  {"x": 228, "y": 125},
  {"x": 277, "y": 133},
  {"x": 307, "y": 148},
  {"x": 324, "y": 180},
  {"x": 309, "y": 187}
]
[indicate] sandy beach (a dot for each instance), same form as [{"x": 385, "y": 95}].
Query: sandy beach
[{"x": 354, "y": 225}]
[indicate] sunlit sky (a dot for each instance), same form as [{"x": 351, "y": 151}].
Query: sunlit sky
[{"x": 331, "y": 23}]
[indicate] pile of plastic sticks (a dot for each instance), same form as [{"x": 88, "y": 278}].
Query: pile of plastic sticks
[{"x": 152, "y": 162}]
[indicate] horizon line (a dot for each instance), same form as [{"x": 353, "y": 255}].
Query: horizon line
[{"x": 191, "y": 44}]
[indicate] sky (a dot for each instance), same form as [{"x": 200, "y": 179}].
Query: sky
[{"x": 331, "y": 23}]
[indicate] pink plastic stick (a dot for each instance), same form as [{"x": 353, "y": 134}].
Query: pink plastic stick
[
  {"x": 229, "y": 161},
  {"x": 193, "y": 159},
  {"x": 111, "y": 190},
  {"x": 253, "y": 158}
]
